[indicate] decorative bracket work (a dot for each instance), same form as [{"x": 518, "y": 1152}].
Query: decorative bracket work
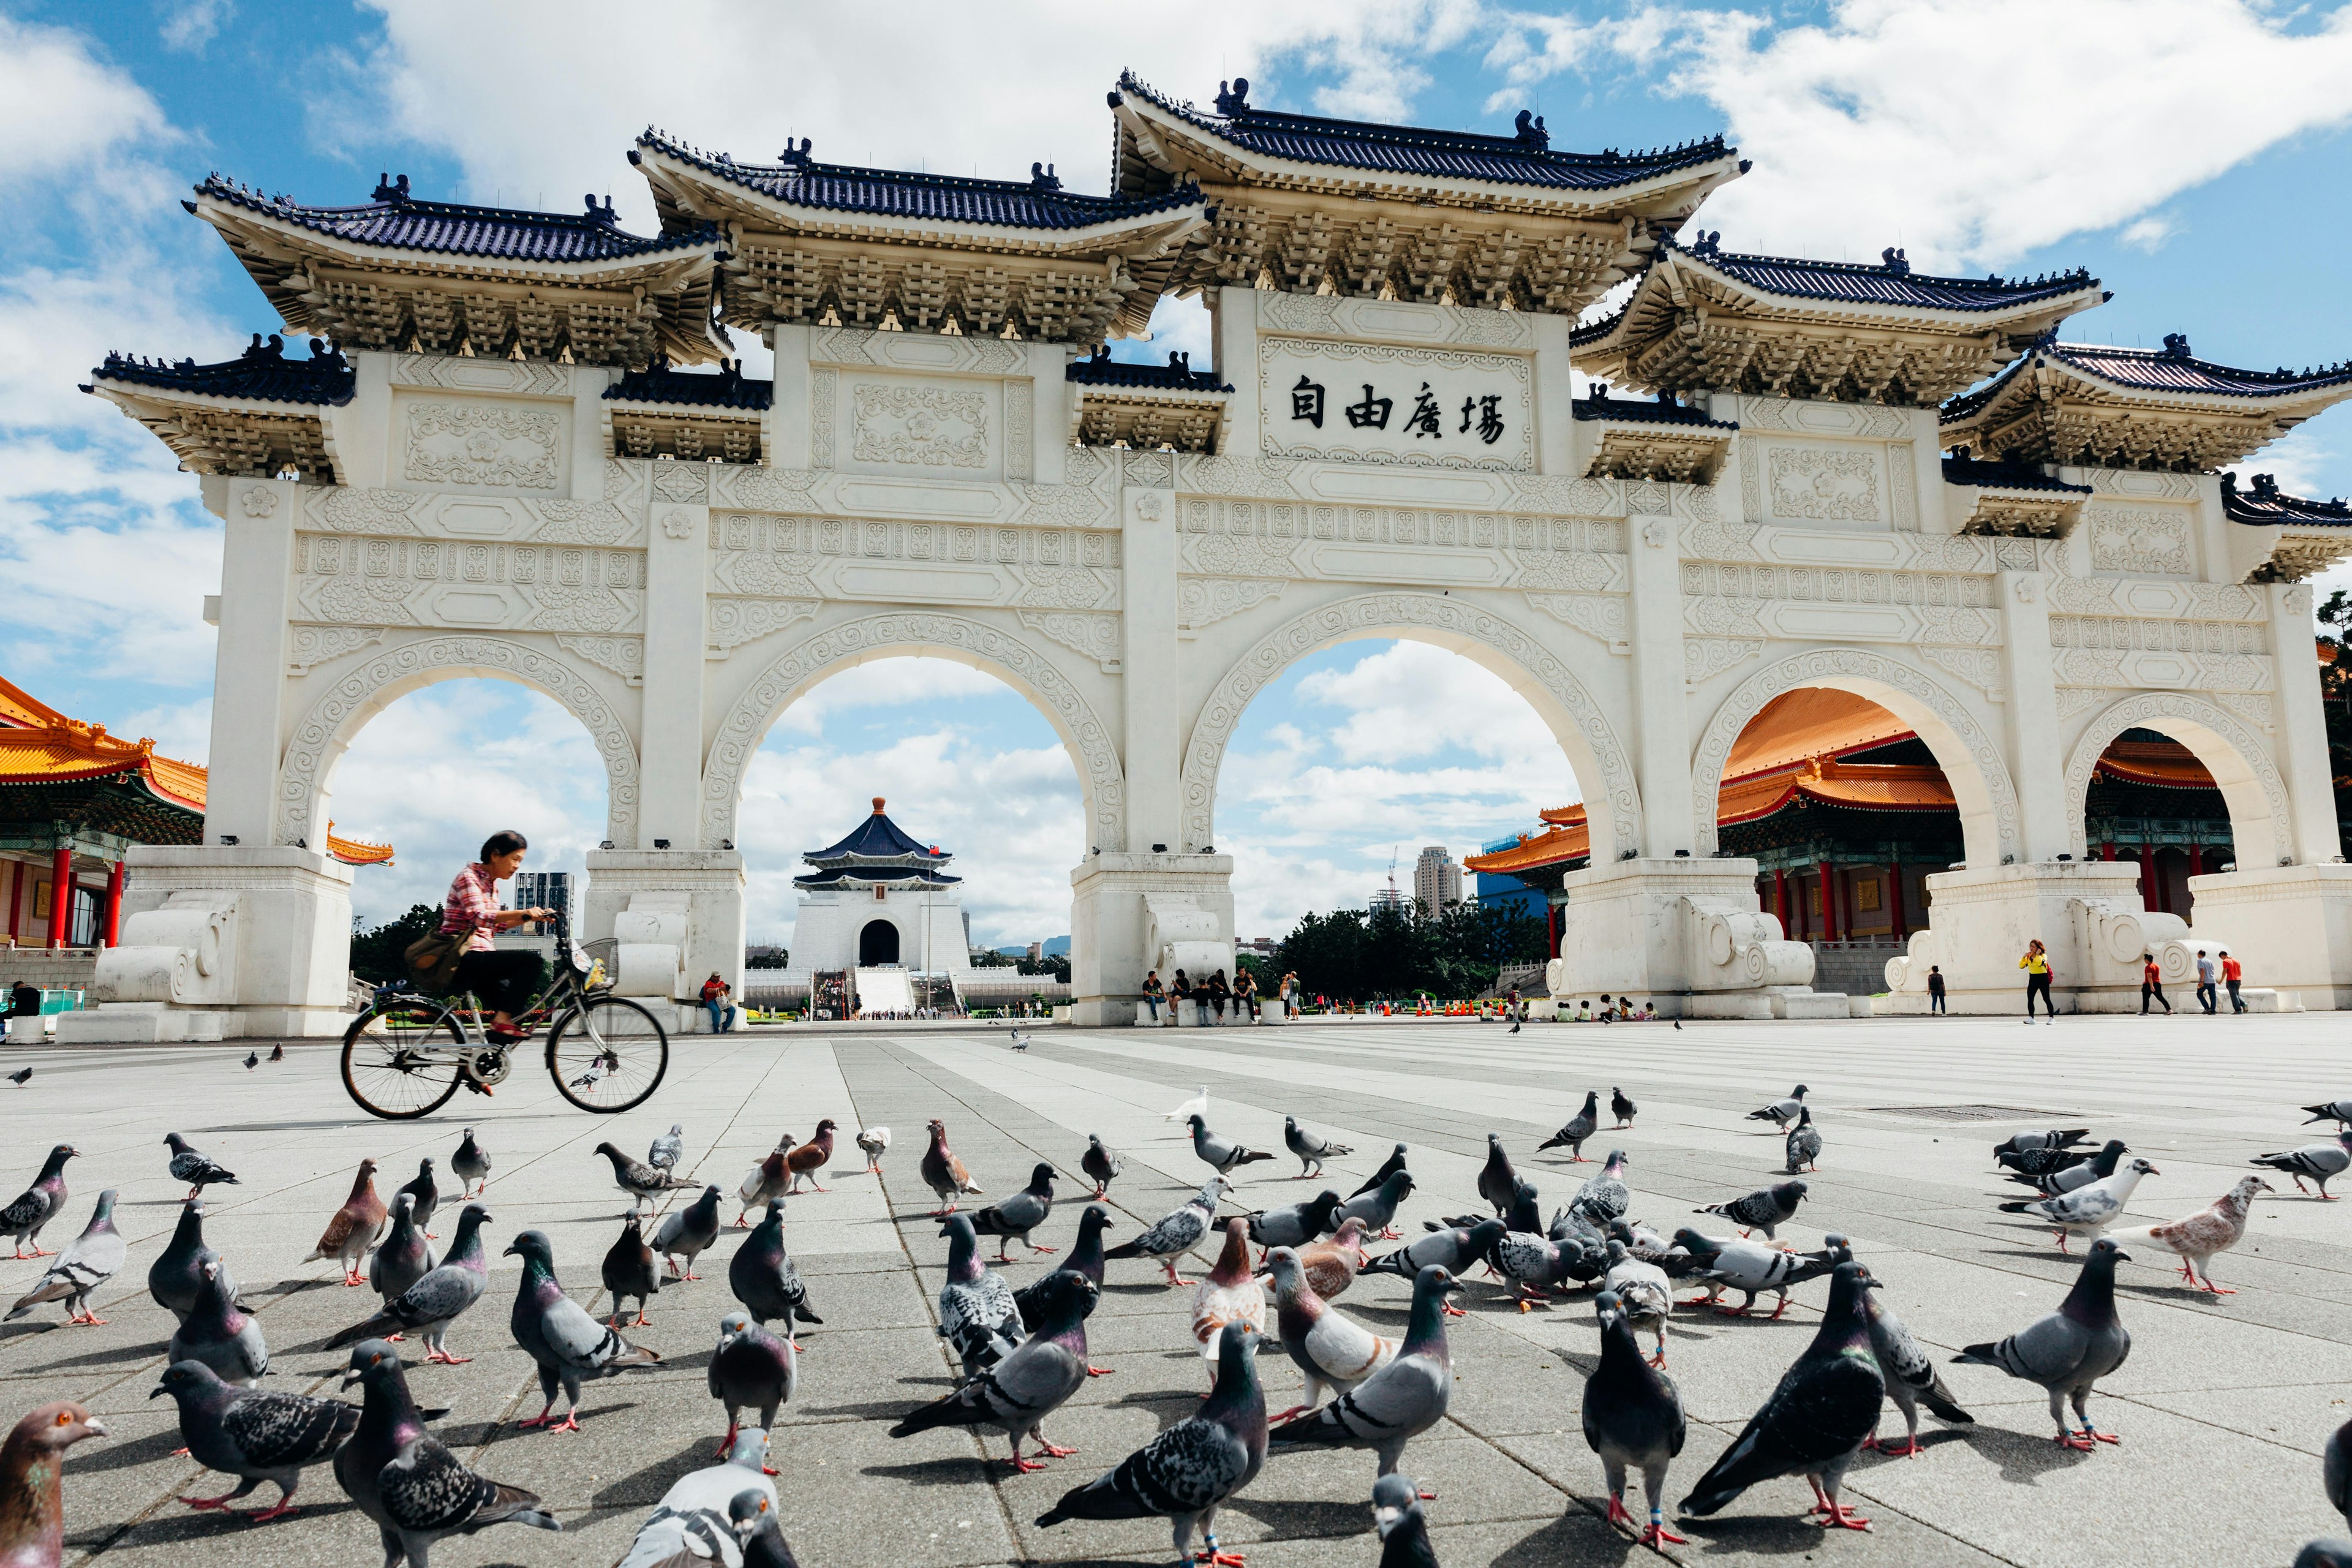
[
  {"x": 734, "y": 622},
  {"x": 2249, "y": 766},
  {"x": 1601, "y": 616},
  {"x": 624, "y": 657},
  {"x": 1204, "y": 601},
  {"x": 1099, "y": 637},
  {"x": 314, "y": 646}
]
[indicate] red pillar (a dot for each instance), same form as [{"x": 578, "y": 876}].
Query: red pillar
[
  {"x": 2163, "y": 891},
  {"x": 2107, "y": 849},
  {"x": 109, "y": 920},
  {"x": 1829, "y": 903},
  {"x": 61, "y": 896},
  {"x": 1780, "y": 897},
  {"x": 1894, "y": 891},
  {"x": 1551, "y": 929},
  {"x": 2146, "y": 878},
  {"x": 16, "y": 881}
]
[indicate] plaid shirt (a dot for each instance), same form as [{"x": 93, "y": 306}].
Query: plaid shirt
[{"x": 473, "y": 903}]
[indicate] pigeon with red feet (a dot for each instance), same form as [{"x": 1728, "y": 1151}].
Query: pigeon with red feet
[
  {"x": 21, "y": 1220},
  {"x": 404, "y": 1257},
  {"x": 427, "y": 1307},
  {"x": 763, "y": 1276},
  {"x": 253, "y": 1436},
  {"x": 1019, "y": 1214},
  {"x": 1911, "y": 1375},
  {"x": 401, "y": 1476},
  {"x": 978, "y": 1315},
  {"x": 1017, "y": 1394},
  {"x": 88, "y": 1263},
  {"x": 1633, "y": 1419},
  {"x": 569, "y": 1344},
  {"x": 192, "y": 1166},
  {"x": 354, "y": 1228},
  {"x": 629, "y": 1272},
  {"x": 751, "y": 1369},
  {"x": 1401, "y": 1400},
  {"x": 2069, "y": 1351}
]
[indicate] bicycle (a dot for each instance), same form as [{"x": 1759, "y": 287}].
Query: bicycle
[{"x": 407, "y": 1053}]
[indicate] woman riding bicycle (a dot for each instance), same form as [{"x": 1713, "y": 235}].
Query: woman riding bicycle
[{"x": 505, "y": 979}]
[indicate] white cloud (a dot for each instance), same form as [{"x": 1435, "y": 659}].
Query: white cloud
[
  {"x": 2149, "y": 233},
  {"x": 190, "y": 25},
  {"x": 1411, "y": 700},
  {"x": 61, "y": 109}
]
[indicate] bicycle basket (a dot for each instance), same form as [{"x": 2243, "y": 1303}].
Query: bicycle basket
[{"x": 603, "y": 965}]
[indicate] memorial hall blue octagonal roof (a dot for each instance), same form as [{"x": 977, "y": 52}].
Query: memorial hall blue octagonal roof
[{"x": 876, "y": 841}]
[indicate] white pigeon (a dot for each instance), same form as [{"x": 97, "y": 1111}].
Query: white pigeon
[
  {"x": 1198, "y": 1106},
  {"x": 2087, "y": 1211},
  {"x": 668, "y": 1148},
  {"x": 2195, "y": 1240},
  {"x": 1645, "y": 1293},
  {"x": 690, "y": 1524},
  {"x": 873, "y": 1141}
]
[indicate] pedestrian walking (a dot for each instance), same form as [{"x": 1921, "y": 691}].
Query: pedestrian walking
[
  {"x": 2036, "y": 965},
  {"x": 1936, "y": 988},
  {"x": 2205, "y": 996},
  {"x": 2233, "y": 972},
  {"x": 2151, "y": 984},
  {"x": 1152, "y": 992}
]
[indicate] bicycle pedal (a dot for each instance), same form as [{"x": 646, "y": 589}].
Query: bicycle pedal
[{"x": 481, "y": 1088}]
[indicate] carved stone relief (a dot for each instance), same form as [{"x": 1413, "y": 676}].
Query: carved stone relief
[
  {"x": 1203, "y": 601},
  {"x": 734, "y": 622},
  {"x": 1706, "y": 657},
  {"x": 1019, "y": 444},
  {"x": 930, "y": 427},
  {"x": 491, "y": 445},
  {"x": 431, "y": 582},
  {"x": 1097, "y": 636},
  {"x": 824, "y": 398},
  {"x": 624, "y": 657},
  {"x": 2143, "y": 543},
  {"x": 1979, "y": 667},
  {"x": 310, "y": 647},
  {"x": 1822, "y": 484},
  {"x": 1599, "y": 616}
]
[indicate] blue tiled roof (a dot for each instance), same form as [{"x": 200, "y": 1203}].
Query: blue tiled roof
[
  {"x": 1891, "y": 282},
  {"x": 2266, "y": 504},
  {"x": 2169, "y": 369},
  {"x": 261, "y": 375},
  {"x": 913, "y": 876},
  {"x": 2005, "y": 475},
  {"x": 876, "y": 839},
  {"x": 1646, "y": 410},
  {"x": 1037, "y": 203},
  {"x": 1176, "y": 375},
  {"x": 394, "y": 220},
  {"x": 1525, "y": 159},
  {"x": 657, "y": 382}
]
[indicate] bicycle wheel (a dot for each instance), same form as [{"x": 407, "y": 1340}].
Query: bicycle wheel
[
  {"x": 607, "y": 1055},
  {"x": 397, "y": 1063}
]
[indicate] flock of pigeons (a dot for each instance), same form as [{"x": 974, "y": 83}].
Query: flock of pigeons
[{"x": 1023, "y": 1353}]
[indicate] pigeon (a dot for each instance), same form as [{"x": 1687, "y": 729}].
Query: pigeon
[
  {"x": 1581, "y": 1126},
  {"x": 1295, "y": 1224},
  {"x": 1334, "y": 1352},
  {"x": 1766, "y": 1209},
  {"x": 763, "y": 1276},
  {"x": 354, "y": 1228},
  {"x": 471, "y": 1166},
  {"x": 1622, "y": 1108},
  {"x": 1781, "y": 1112},
  {"x": 1747, "y": 1268},
  {"x": 944, "y": 1174},
  {"x": 1219, "y": 1154},
  {"x": 697, "y": 1521},
  {"x": 1816, "y": 1421},
  {"x": 751, "y": 1369},
  {"x": 252, "y": 1061},
  {"x": 629, "y": 1271},
  {"x": 1100, "y": 1162},
  {"x": 1645, "y": 1296},
  {"x": 2327, "y": 1110},
  {"x": 1452, "y": 1249},
  {"x": 253, "y": 1436},
  {"x": 1909, "y": 1373},
  {"x": 760, "y": 1531},
  {"x": 417, "y": 1491},
  {"x": 2056, "y": 1138},
  {"x": 277, "y": 1052},
  {"x": 2324, "y": 1555},
  {"x": 640, "y": 1181},
  {"x": 1184, "y": 1473},
  {"x": 89, "y": 1262},
  {"x": 1496, "y": 1180},
  {"x": 686, "y": 1232},
  {"x": 176, "y": 1278},
  {"x": 1030, "y": 1383},
  {"x": 1389, "y": 1167},
  {"x": 2336, "y": 1470},
  {"x": 1377, "y": 1208},
  {"x": 1633, "y": 1419},
  {"x": 2195, "y": 1240},
  {"x": 1804, "y": 1143},
  {"x": 666, "y": 1150},
  {"x": 1330, "y": 1265},
  {"x": 764, "y": 1184},
  {"x": 426, "y": 1194},
  {"x": 1605, "y": 1196},
  {"x": 1531, "y": 1260},
  {"x": 978, "y": 1316},
  {"x": 32, "y": 1499},
  {"x": 871, "y": 1143},
  {"x": 1196, "y": 1106},
  {"x": 1020, "y": 1041},
  {"x": 2042, "y": 1161},
  {"x": 2071, "y": 1349},
  {"x": 810, "y": 1157},
  {"x": 217, "y": 1333},
  {"x": 1404, "y": 1529},
  {"x": 2097, "y": 1168},
  {"x": 1177, "y": 1232},
  {"x": 2319, "y": 1161},
  {"x": 2091, "y": 1208},
  {"x": 22, "y": 1221},
  {"x": 427, "y": 1307},
  {"x": 570, "y": 1346},
  {"x": 1399, "y": 1402},
  {"x": 1311, "y": 1150},
  {"x": 402, "y": 1259},
  {"x": 1019, "y": 1214},
  {"x": 1228, "y": 1295},
  {"x": 1085, "y": 1257},
  {"x": 190, "y": 1164},
  {"x": 21, "y": 1077}
]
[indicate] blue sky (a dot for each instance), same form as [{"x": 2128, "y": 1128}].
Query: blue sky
[{"x": 2191, "y": 152}]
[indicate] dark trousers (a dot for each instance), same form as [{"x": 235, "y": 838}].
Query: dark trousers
[
  {"x": 2039, "y": 985},
  {"x": 2237, "y": 1003},
  {"x": 2147, "y": 989},
  {"x": 1935, "y": 1001},
  {"x": 2205, "y": 997},
  {"x": 505, "y": 980}
]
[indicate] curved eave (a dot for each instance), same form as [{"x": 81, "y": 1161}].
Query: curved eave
[
  {"x": 121, "y": 393},
  {"x": 2294, "y": 402},
  {"x": 1166, "y": 396},
  {"x": 683, "y": 262}
]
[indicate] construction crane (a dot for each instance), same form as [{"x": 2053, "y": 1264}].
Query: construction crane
[{"x": 1392, "y": 899}]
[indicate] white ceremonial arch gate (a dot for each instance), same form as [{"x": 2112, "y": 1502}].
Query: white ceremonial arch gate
[{"x": 500, "y": 468}]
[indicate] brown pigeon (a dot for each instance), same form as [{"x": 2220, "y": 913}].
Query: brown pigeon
[
  {"x": 32, "y": 1503},
  {"x": 356, "y": 1226},
  {"x": 1330, "y": 1263},
  {"x": 765, "y": 1183},
  {"x": 810, "y": 1157},
  {"x": 944, "y": 1174},
  {"x": 2216, "y": 1228}
]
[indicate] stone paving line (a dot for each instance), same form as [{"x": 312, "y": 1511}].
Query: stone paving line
[{"x": 2223, "y": 1405}]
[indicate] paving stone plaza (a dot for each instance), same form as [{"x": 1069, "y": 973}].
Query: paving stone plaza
[{"x": 2223, "y": 1407}]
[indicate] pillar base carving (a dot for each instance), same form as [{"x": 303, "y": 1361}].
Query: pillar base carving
[
  {"x": 1133, "y": 913},
  {"x": 2291, "y": 926},
  {"x": 679, "y": 915},
  {"x": 1686, "y": 933}
]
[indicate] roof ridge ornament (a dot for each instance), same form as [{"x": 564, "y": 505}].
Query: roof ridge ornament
[
  {"x": 394, "y": 191},
  {"x": 1894, "y": 260},
  {"x": 1233, "y": 98},
  {"x": 1042, "y": 178},
  {"x": 1528, "y": 128},
  {"x": 1707, "y": 243},
  {"x": 791, "y": 154},
  {"x": 2176, "y": 346}
]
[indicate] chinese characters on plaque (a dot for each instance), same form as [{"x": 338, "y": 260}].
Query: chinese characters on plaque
[
  {"x": 1482, "y": 415},
  {"x": 1371, "y": 402}
]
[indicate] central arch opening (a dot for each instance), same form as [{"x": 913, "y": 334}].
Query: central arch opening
[{"x": 877, "y": 944}]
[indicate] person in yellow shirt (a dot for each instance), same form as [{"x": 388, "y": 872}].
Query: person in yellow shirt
[{"x": 2036, "y": 965}]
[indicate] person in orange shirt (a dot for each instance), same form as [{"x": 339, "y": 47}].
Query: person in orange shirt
[
  {"x": 2036, "y": 965},
  {"x": 2232, "y": 972},
  {"x": 2151, "y": 984}
]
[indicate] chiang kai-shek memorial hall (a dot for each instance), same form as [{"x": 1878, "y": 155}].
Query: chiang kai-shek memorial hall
[{"x": 517, "y": 447}]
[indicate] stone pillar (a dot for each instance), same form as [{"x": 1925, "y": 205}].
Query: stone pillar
[
  {"x": 61, "y": 891},
  {"x": 250, "y": 661},
  {"x": 1111, "y": 895},
  {"x": 708, "y": 882},
  {"x": 1662, "y": 753},
  {"x": 1150, "y": 690},
  {"x": 2030, "y": 699},
  {"x": 670, "y": 738},
  {"x": 2301, "y": 727}
]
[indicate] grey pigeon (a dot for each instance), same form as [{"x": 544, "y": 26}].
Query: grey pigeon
[
  {"x": 2324, "y": 1555},
  {"x": 1035, "y": 1380},
  {"x": 417, "y": 1491},
  {"x": 641, "y": 1182},
  {"x": 21, "y": 1077},
  {"x": 176, "y": 1278},
  {"x": 2056, "y": 1138},
  {"x": 1522, "y": 1254},
  {"x": 21, "y": 1220},
  {"x": 1747, "y": 1268},
  {"x": 1176, "y": 1233},
  {"x": 763, "y": 1276},
  {"x": 1781, "y": 1112},
  {"x": 629, "y": 1271},
  {"x": 190, "y": 1164},
  {"x": 402, "y": 1259},
  {"x": 1816, "y": 1421},
  {"x": 1580, "y": 1127},
  {"x": 2336, "y": 1470},
  {"x": 2330, "y": 1110},
  {"x": 1645, "y": 1294},
  {"x": 1102, "y": 1163},
  {"x": 1389, "y": 1167},
  {"x": 1399, "y": 1402},
  {"x": 978, "y": 1316},
  {"x": 570, "y": 1346},
  {"x": 1496, "y": 1180},
  {"x": 2090, "y": 1208},
  {"x": 697, "y": 1521},
  {"x": 761, "y": 1532},
  {"x": 1311, "y": 1150},
  {"x": 2040, "y": 1162},
  {"x": 1633, "y": 1419},
  {"x": 1019, "y": 1214},
  {"x": 1804, "y": 1143},
  {"x": 2320, "y": 1162},
  {"x": 427, "y": 1307},
  {"x": 427, "y": 1194},
  {"x": 751, "y": 1369},
  {"x": 668, "y": 1149},
  {"x": 1605, "y": 1198},
  {"x": 2069, "y": 1351},
  {"x": 89, "y": 1261},
  {"x": 1222, "y": 1156},
  {"x": 217, "y": 1333},
  {"x": 1404, "y": 1529},
  {"x": 1295, "y": 1224},
  {"x": 1910, "y": 1374},
  {"x": 1187, "y": 1471},
  {"x": 1452, "y": 1249},
  {"x": 1766, "y": 1209},
  {"x": 2097, "y": 1168},
  {"x": 1377, "y": 1208},
  {"x": 253, "y": 1436},
  {"x": 471, "y": 1166},
  {"x": 686, "y": 1232},
  {"x": 1622, "y": 1108}
]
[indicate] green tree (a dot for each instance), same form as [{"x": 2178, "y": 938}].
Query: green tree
[
  {"x": 380, "y": 955},
  {"x": 1397, "y": 951}
]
